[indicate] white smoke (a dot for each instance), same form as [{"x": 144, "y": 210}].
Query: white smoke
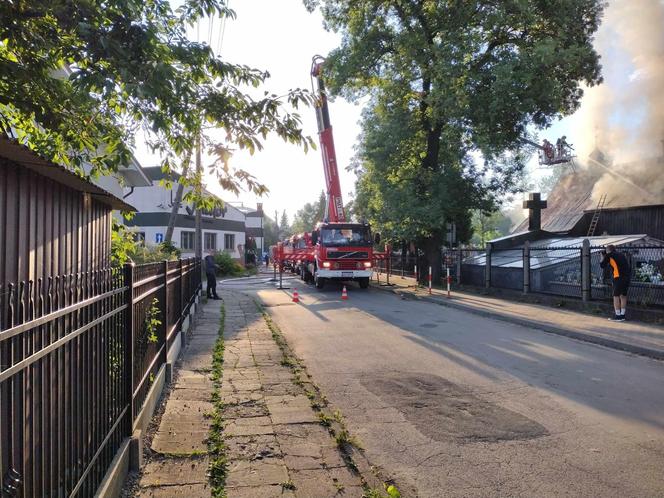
[{"x": 624, "y": 117}]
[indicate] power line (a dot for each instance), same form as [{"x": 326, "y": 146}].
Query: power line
[{"x": 210, "y": 29}]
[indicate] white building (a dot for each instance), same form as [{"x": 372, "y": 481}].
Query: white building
[{"x": 224, "y": 229}]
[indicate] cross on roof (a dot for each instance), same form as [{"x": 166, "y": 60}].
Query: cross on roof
[{"x": 534, "y": 205}]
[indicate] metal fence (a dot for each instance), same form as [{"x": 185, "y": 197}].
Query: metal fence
[
  {"x": 78, "y": 354},
  {"x": 647, "y": 278},
  {"x": 556, "y": 270},
  {"x": 551, "y": 270}
]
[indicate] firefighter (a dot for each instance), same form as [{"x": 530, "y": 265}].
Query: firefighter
[{"x": 621, "y": 277}]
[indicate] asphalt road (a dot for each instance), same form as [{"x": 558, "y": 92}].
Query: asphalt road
[{"x": 454, "y": 404}]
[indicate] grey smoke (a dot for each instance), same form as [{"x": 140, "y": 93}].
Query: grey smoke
[{"x": 624, "y": 117}]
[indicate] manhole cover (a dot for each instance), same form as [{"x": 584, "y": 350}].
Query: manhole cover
[{"x": 445, "y": 411}]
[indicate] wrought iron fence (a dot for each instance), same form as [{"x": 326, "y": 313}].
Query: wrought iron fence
[
  {"x": 552, "y": 270},
  {"x": 78, "y": 354},
  {"x": 556, "y": 270},
  {"x": 647, "y": 275},
  {"x": 403, "y": 265}
]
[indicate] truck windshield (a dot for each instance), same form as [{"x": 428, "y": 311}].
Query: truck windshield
[{"x": 356, "y": 236}]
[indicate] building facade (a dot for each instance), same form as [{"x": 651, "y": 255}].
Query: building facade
[{"x": 222, "y": 230}]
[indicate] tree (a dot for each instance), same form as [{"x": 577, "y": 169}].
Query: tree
[
  {"x": 311, "y": 213},
  {"x": 284, "y": 226},
  {"x": 78, "y": 80},
  {"x": 488, "y": 226},
  {"x": 270, "y": 232},
  {"x": 449, "y": 82}
]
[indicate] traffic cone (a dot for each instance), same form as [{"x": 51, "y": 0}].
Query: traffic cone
[
  {"x": 344, "y": 294},
  {"x": 296, "y": 296}
]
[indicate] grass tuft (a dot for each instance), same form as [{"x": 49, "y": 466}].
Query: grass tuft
[{"x": 218, "y": 469}]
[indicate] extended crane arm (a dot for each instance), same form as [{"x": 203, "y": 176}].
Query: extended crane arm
[{"x": 334, "y": 210}]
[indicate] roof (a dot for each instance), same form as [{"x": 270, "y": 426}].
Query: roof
[
  {"x": 566, "y": 203},
  {"x": 625, "y": 184},
  {"x": 18, "y": 153},
  {"x": 134, "y": 175},
  {"x": 155, "y": 173}
]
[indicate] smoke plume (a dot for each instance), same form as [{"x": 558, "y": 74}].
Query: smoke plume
[{"x": 624, "y": 117}]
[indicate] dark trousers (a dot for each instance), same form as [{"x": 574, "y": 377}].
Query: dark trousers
[{"x": 211, "y": 285}]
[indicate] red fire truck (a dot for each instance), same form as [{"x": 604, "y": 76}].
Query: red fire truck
[{"x": 337, "y": 249}]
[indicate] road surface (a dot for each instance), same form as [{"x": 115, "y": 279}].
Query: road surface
[{"x": 452, "y": 404}]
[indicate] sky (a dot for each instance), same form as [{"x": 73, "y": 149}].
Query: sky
[{"x": 281, "y": 37}]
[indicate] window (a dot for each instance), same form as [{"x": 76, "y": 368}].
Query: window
[
  {"x": 187, "y": 241},
  {"x": 210, "y": 240},
  {"x": 229, "y": 241},
  {"x": 346, "y": 236}
]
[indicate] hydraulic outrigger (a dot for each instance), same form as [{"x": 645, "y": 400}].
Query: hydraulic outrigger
[{"x": 336, "y": 249}]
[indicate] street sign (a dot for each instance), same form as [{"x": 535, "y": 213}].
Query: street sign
[{"x": 159, "y": 238}]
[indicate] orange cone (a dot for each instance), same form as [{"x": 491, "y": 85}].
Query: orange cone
[
  {"x": 344, "y": 294},
  {"x": 296, "y": 296}
]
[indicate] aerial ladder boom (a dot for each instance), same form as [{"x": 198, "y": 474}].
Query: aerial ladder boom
[{"x": 334, "y": 209}]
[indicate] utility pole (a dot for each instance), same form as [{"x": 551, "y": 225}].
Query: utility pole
[
  {"x": 198, "y": 245},
  {"x": 276, "y": 224}
]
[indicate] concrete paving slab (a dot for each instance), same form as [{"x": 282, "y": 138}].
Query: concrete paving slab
[
  {"x": 268, "y": 471},
  {"x": 185, "y": 491},
  {"x": 276, "y": 491},
  {"x": 172, "y": 471}
]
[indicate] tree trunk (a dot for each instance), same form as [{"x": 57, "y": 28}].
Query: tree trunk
[
  {"x": 199, "y": 193},
  {"x": 175, "y": 208},
  {"x": 434, "y": 259}
]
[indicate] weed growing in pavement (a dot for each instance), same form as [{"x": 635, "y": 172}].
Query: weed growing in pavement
[
  {"x": 343, "y": 438},
  {"x": 288, "y": 484},
  {"x": 218, "y": 468},
  {"x": 324, "y": 419},
  {"x": 390, "y": 489},
  {"x": 334, "y": 422}
]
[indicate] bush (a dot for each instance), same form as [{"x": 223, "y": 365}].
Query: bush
[
  {"x": 125, "y": 248},
  {"x": 227, "y": 265}
]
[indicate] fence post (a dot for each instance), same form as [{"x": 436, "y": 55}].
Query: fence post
[
  {"x": 585, "y": 270},
  {"x": 129, "y": 346},
  {"x": 458, "y": 265},
  {"x": 181, "y": 283},
  {"x": 487, "y": 269},
  {"x": 526, "y": 267},
  {"x": 164, "y": 352},
  {"x": 388, "y": 250}
]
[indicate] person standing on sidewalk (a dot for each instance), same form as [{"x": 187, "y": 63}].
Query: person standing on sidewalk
[
  {"x": 621, "y": 278},
  {"x": 210, "y": 271}
]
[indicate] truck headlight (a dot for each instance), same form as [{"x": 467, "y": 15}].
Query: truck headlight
[
  {"x": 326, "y": 264},
  {"x": 367, "y": 264}
]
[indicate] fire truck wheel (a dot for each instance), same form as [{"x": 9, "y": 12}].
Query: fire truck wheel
[
  {"x": 320, "y": 282},
  {"x": 364, "y": 283},
  {"x": 303, "y": 273}
]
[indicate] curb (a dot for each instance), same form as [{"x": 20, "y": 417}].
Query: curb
[{"x": 656, "y": 354}]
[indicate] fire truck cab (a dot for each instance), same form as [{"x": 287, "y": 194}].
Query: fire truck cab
[{"x": 342, "y": 252}]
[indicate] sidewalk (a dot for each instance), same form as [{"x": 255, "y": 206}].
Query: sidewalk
[
  {"x": 633, "y": 337},
  {"x": 275, "y": 443},
  {"x": 178, "y": 461}
]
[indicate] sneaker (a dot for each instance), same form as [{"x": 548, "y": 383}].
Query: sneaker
[{"x": 617, "y": 318}]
